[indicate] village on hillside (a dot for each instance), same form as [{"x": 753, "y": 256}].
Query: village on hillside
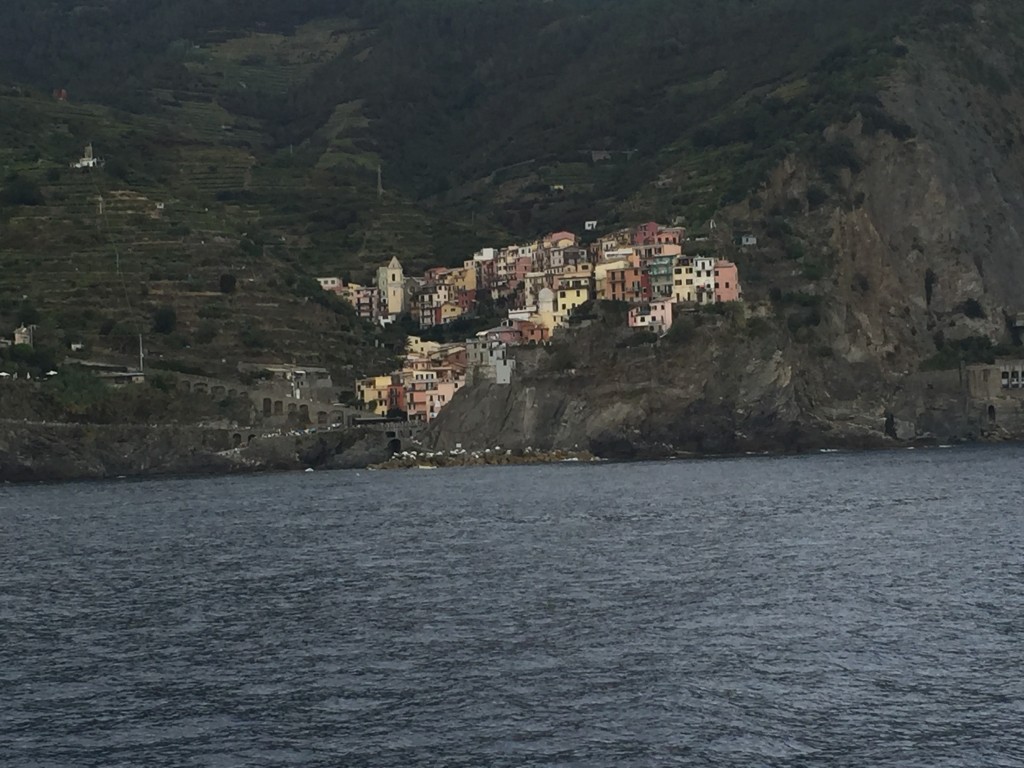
[{"x": 541, "y": 283}]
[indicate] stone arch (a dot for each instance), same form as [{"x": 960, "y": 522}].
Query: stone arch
[
  {"x": 304, "y": 412},
  {"x": 267, "y": 406},
  {"x": 292, "y": 409},
  {"x": 236, "y": 440},
  {"x": 991, "y": 414},
  {"x": 200, "y": 388},
  {"x": 337, "y": 417},
  {"x": 321, "y": 417},
  {"x": 251, "y": 438},
  {"x": 186, "y": 386},
  {"x": 394, "y": 446},
  {"x": 218, "y": 391},
  {"x": 232, "y": 393},
  {"x": 279, "y": 408}
]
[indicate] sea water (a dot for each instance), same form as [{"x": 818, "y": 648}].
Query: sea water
[{"x": 829, "y": 610}]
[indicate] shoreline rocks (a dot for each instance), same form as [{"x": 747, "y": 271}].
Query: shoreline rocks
[{"x": 488, "y": 457}]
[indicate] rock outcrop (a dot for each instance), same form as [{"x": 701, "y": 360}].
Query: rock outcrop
[{"x": 37, "y": 452}]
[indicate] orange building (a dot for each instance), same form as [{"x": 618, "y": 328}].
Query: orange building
[{"x": 629, "y": 284}]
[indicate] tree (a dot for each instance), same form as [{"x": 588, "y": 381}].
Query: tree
[
  {"x": 21, "y": 191},
  {"x": 228, "y": 283},
  {"x": 165, "y": 320},
  {"x": 28, "y": 314}
]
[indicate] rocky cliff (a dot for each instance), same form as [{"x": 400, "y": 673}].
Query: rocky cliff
[{"x": 860, "y": 306}]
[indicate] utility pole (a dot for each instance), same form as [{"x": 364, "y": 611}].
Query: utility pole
[{"x": 140, "y": 353}]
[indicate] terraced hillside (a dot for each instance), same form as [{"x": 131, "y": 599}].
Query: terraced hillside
[{"x": 190, "y": 194}]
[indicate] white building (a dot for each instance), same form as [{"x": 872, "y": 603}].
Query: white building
[
  {"x": 88, "y": 160},
  {"x": 331, "y": 284}
]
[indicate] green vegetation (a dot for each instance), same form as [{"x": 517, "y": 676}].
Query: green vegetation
[
  {"x": 165, "y": 320},
  {"x": 241, "y": 151},
  {"x": 972, "y": 349}
]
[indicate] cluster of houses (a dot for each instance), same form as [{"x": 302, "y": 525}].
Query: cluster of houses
[
  {"x": 542, "y": 283},
  {"x": 432, "y": 373}
]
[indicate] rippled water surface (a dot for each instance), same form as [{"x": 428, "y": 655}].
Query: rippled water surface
[{"x": 834, "y": 610}]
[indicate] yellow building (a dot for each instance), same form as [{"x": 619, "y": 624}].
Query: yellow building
[
  {"x": 449, "y": 311},
  {"x": 461, "y": 279},
  {"x": 573, "y": 291},
  {"x": 683, "y": 288},
  {"x": 373, "y": 394},
  {"x": 416, "y": 346}
]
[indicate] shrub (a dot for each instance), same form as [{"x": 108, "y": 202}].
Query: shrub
[
  {"x": 212, "y": 312},
  {"x": 816, "y": 195},
  {"x": 683, "y": 330},
  {"x": 228, "y": 283},
  {"x": 838, "y": 154},
  {"x": 972, "y": 308},
  {"x": 560, "y": 357},
  {"x": 165, "y": 320},
  {"x": 28, "y": 314},
  {"x": 21, "y": 191},
  {"x": 639, "y": 338},
  {"x": 949, "y": 354},
  {"x": 807, "y": 317},
  {"x": 253, "y": 337},
  {"x": 813, "y": 271},
  {"x": 206, "y": 332},
  {"x": 794, "y": 249}
]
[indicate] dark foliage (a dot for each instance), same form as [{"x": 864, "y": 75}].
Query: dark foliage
[
  {"x": 21, "y": 191},
  {"x": 165, "y": 320}
]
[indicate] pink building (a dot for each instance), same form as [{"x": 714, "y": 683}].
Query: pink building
[
  {"x": 561, "y": 239},
  {"x": 645, "y": 234},
  {"x": 655, "y": 315},
  {"x": 466, "y": 300},
  {"x": 727, "y": 282},
  {"x": 652, "y": 233},
  {"x": 396, "y": 397},
  {"x": 506, "y": 333},
  {"x": 521, "y": 268},
  {"x": 533, "y": 331}
]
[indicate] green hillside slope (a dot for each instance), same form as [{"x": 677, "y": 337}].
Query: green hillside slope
[{"x": 246, "y": 142}]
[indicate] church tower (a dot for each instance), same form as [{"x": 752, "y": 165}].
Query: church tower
[{"x": 391, "y": 284}]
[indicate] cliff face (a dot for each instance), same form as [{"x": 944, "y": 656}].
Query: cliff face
[
  {"x": 923, "y": 246},
  {"x": 37, "y": 452},
  {"x": 733, "y": 386}
]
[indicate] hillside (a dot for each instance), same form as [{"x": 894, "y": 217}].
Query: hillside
[
  {"x": 882, "y": 272},
  {"x": 873, "y": 148}
]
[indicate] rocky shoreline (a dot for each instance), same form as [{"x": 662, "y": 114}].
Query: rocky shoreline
[
  {"x": 489, "y": 457},
  {"x": 70, "y": 452}
]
